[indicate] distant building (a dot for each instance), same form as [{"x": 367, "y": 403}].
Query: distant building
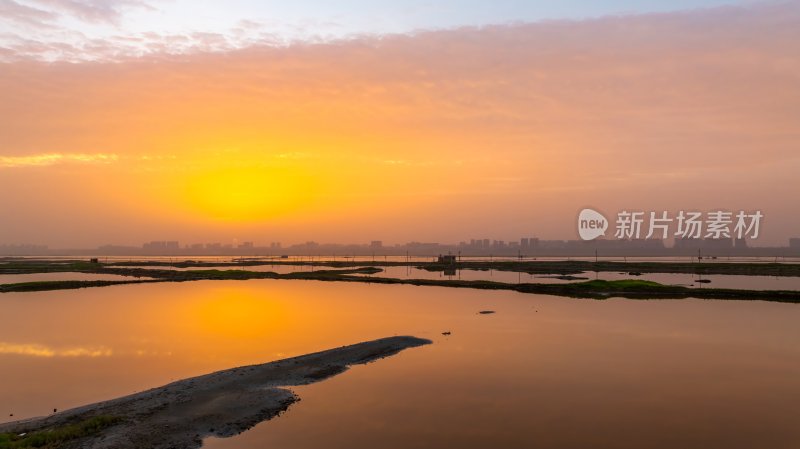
[
  {"x": 447, "y": 259},
  {"x": 164, "y": 247},
  {"x": 160, "y": 246},
  {"x": 794, "y": 243},
  {"x": 527, "y": 243},
  {"x": 376, "y": 244}
]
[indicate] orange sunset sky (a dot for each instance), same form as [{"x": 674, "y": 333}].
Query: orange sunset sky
[{"x": 477, "y": 131}]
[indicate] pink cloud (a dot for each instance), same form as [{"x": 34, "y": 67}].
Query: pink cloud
[
  {"x": 678, "y": 110},
  {"x": 93, "y": 10},
  {"x": 13, "y": 11}
]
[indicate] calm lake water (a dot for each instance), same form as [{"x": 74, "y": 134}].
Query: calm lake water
[
  {"x": 541, "y": 372},
  {"x": 514, "y": 277},
  {"x": 63, "y": 276}
]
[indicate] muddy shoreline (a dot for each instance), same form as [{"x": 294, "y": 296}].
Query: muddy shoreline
[{"x": 221, "y": 404}]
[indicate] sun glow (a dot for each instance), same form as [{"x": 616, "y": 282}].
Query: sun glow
[{"x": 249, "y": 194}]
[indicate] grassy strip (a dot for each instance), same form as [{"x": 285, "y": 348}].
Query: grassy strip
[
  {"x": 44, "y": 266},
  {"x": 578, "y": 266},
  {"x": 191, "y": 275},
  {"x": 53, "y": 438},
  {"x": 598, "y": 289},
  {"x": 533, "y": 267},
  {"x": 62, "y": 285},
  {"x": 178, "y": 276}
]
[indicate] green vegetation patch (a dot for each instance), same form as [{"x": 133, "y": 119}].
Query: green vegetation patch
[
  {"x": 625, "y": 284},
  {"x": 27, "y": 267},
  {"x": 38, "y": 286},
  {"x": 54, "y": 438}
]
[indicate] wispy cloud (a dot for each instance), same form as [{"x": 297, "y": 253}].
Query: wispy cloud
[
  {"x": 93, "y": 10},
  {"x": 37, "y": 350},
  {"x": 64, "y": 29},
  {"x": 40, "y": 160},
  {"x": 44, "y": 12},
  {"x": 12, "y": 11}
]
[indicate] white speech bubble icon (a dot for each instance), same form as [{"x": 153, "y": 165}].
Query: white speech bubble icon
[{"x": 591, "y": 224}]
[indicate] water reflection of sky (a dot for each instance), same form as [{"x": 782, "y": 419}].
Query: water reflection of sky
[
  {"x": 542, "y": 370},
  {"x": 514, "y": 277}
]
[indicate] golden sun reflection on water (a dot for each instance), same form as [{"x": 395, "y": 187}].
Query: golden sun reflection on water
[
  {"x": 234, "y": 314},
  {"x": 558, "y": 372}
]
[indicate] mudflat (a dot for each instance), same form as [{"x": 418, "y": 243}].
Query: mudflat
[{"x": 222, "y": 404}]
